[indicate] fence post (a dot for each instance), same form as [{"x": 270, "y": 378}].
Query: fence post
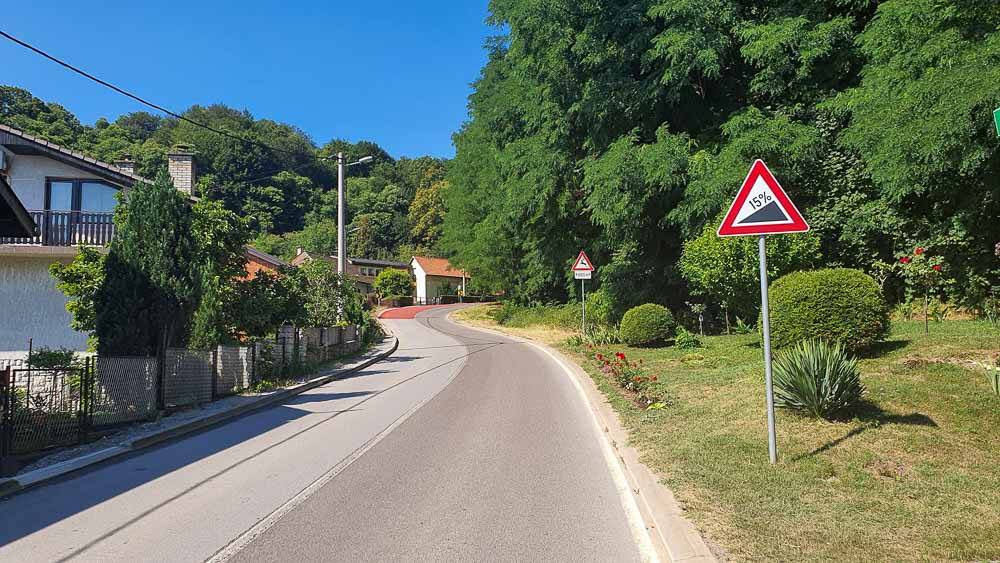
[
  {"x": 6, "y": 415},
  {"x": 161, "y": 368},
  {"x": 215, "y": 373},
  {"x": 281, "y": 342},
  {"x": 253, "y": 363},
  {"x": 82, "y": 419}
]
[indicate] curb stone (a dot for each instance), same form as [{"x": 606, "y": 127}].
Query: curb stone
[
  {"x": 674, "y": 536},
  {"x": 16, "y": 484}
]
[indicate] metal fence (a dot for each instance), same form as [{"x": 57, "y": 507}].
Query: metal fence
[
  {"x": 187, "y": 377},
  {"x": 124, "y": 390},
  {"x": 234, "y": 369},
  {"x": 45, "y": 408},
  {"x": 42, "y": 408}
]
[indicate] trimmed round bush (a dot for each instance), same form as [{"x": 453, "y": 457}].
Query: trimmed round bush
[
  {"x": 833, "y": 305},
  {"x": 646, "y": 325}
]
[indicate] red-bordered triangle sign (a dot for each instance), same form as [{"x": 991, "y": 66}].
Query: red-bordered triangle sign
[
  {"x": 583, "y": 263},
  {"x": 762, "y": 207}
]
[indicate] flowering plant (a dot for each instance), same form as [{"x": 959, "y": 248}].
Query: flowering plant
[
  {"x": 923, "y": 273},
  {"x": 630, "y": 375},
  {"x": 992, "y": 372}
]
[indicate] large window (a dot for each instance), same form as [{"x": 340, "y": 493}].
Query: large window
[{"x": 79, "y": 195}]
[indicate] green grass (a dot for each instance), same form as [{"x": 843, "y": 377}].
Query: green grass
[{"x": 913, "y": 475}]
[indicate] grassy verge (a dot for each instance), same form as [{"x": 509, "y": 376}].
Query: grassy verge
[{"x": 914, "y": 475}]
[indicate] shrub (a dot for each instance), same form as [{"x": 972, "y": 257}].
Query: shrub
[
  {"x": 817, "y": 378},
  {"x": 600, "y": 308},
  {"x": 391, "y": 281},
  {"x": 646, "y": 325},
  {"x": 503, "y": 313},
  {"x": 685, "y": 339},
  {"x": 834, "y": 305}
]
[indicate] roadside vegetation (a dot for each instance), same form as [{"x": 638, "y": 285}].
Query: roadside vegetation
[{"x": 908, "y": 472}]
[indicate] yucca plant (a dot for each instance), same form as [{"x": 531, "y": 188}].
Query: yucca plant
[{"x": 817, "y": 378}]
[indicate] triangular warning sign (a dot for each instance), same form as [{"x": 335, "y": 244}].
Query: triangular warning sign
[
  {"x": 761, "y": 207},
  {"x": 583, "y": 263}
]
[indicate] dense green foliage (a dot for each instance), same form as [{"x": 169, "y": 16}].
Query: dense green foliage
[
  {"x": 81, "y": 280},
  {"x": 646, "y": 325},
  {"x": 288, "y": 194},
  {"x": 152, "y": 275},
  {"x": 817, "y": 378},
  {"x": 391, "y": 282},
  {"x": 555, "y": 316},
  {"x": 686, "y": 339},
  {"x": 726, "y": 270},
  {"x": 834, "y": 305},
  {"x": 626, "y": 127}
]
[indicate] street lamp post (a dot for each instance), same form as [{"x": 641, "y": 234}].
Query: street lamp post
[{"x": 341, "y": 211}]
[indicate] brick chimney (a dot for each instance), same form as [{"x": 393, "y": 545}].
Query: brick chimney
[
  {"x": 180, "y": 164},
  {"x": 126, "y": 164}
]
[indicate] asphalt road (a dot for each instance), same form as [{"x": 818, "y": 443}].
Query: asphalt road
[{"x": 463, "y": 446}]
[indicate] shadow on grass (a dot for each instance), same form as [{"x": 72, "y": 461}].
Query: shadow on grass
[
  {"x": 883, "y": 348},
  {"x": 872, "y": 416}
]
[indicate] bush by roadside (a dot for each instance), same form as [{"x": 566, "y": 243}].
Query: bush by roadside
[
  {"x": 833, "y": 305},
  {"x": 647, "y": 325}
]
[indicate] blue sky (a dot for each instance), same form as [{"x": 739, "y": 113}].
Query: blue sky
[{"x": 393, "y": 71}]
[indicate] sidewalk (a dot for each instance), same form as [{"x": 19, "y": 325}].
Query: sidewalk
[{"x": 140, "y": 436}]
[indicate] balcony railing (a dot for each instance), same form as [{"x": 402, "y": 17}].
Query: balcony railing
[{"x": 68, "y": 228}]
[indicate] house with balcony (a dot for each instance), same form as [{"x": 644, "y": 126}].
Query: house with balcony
[{"x": 70, "y": 198}]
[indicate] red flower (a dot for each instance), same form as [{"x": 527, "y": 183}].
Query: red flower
[
  {"x": 600, "y": 357},
  {"x": 654, "y": 378},
  {"x": 637, "y": 379},
  {"x": 936, "y": 267},
  {"x": 904, "y": 260},
  {"x": 620, "y": 355},
  {"x": 918, "y": 250}
]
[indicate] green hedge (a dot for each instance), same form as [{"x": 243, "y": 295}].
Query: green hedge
[
  {"x": 646, "y": 325},
  {"x": 833, "y": 305}
]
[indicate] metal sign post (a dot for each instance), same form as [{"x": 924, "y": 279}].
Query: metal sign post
[
  {"x": 996, "y": 120},
  {"x": 763, "y": 208},
  {"x": 772, "y": 440},
  {"x": 583, "y": 269}
]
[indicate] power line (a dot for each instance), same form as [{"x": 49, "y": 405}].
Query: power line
[{"x": 157, "y": 107}]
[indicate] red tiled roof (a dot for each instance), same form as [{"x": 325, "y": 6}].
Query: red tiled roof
[{"x": 438, "y": 267}]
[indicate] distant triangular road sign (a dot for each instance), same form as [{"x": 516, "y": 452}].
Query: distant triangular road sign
[
  {"x": 761, "y": 207},
  {"x": 583, "y": 263}
]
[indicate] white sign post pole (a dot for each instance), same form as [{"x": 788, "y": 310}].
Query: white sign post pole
[
  {"x": 772, "y": 442},
  {"x": 583, "y": 300}
]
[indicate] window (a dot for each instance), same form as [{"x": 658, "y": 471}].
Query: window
[{"x": 80, "y": 195}]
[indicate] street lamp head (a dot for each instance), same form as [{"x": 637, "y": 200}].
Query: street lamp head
[{"x": 365, "y": 159}]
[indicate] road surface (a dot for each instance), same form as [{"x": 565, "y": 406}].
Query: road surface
[{"x": 463, "y": 446}]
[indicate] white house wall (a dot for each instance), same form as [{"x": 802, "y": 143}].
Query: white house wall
[
  {"x": 421, "y": 282},
  {"x": 435, "y": 283},
  {"x": 28, "y": 173},
  {"x": 32, "y": 307}
]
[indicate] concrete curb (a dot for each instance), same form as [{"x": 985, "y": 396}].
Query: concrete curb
[
  {"x": 674, "y": 536},
  {"x": 34, "y": 478}
]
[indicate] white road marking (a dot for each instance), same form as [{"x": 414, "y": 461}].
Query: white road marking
[
  {"x": 271, "y": 519},
  {"x": 636, "y": 524}
]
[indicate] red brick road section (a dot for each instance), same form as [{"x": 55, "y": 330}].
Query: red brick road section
[{"x": 406, "y": 312}]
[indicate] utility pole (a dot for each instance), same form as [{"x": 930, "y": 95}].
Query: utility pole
[{"x": 341, "y": 228}]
